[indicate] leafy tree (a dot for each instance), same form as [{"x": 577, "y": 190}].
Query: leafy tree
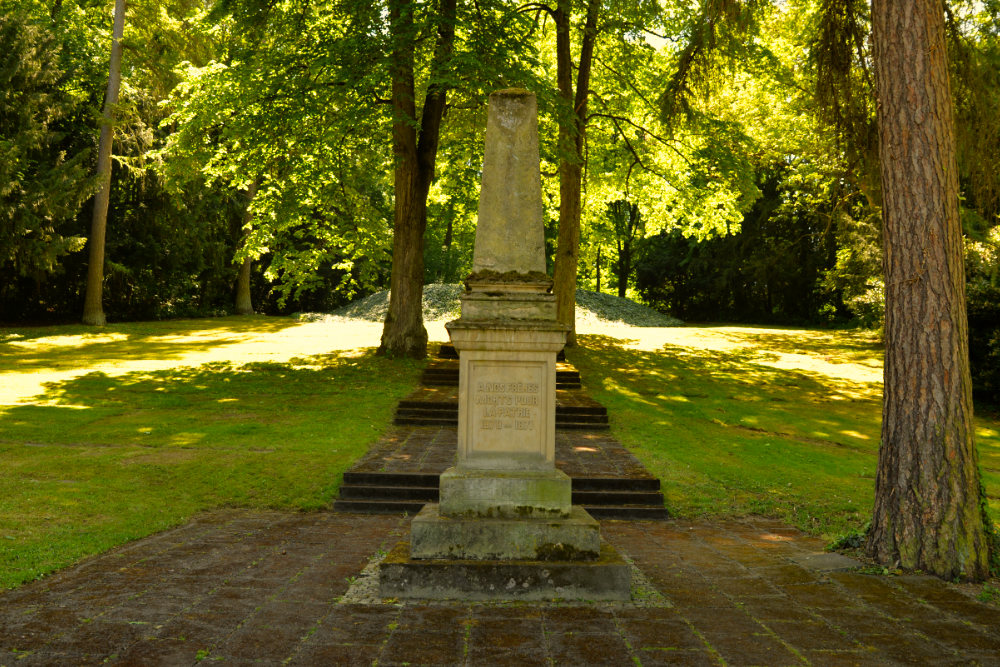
[
  {"x": 415, "y": 153},
  {"x": 43, "y": 177},
  {"x": 927, "y": 511},
  {"x": 627, "y": 225},
  {"x": 93, "y": 310}
]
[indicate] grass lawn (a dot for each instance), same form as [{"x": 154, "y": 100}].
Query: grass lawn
[
  {"x": 111, "y": 434},
  {"x": 107, "y": 435},
  {"x": 772, "y": 421}
]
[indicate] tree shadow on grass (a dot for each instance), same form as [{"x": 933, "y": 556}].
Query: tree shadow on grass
[
  {"x": 749, "y": 435},
  {"x": 78, "y": 346},
  {"x": 216, "y": 405},
  {"x": 100, "y": 460},
  {"x": 728, "y": 435},
  {"x": 718, "y": 378},
  {"x": 861, "y": 347}
]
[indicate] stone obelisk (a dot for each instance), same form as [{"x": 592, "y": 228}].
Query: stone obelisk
[{"x": 504, "y": 504}]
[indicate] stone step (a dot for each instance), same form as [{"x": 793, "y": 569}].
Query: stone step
[
  {"x": 436, "y": 379},
  {"x": 424, "y": 421},
  {"x": 603, "y": 497},
  {"x": 589, "y": 498},
  {"x": 452, "y": 406},
  {"x": 616, "y": 484},
  {"x": 430, "y": 494},
  {"x": 628, "y": 512},
  {"x": 393, "y": 478},
  {"x": 376, "y": 506},
  {"x": 427, "y": 479},
  {"x": 380, "y": 506},
  {"x": 366, "y": 492},
  {"x": 445, "y": 413},
  {"x": 565, "y": 424},
  {"x": 449, "y": 352},
  {"x": 451, "y": 371},
  {"x": 576, "y": 426}
]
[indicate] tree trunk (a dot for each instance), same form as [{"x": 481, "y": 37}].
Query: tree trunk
[
  {"x": 927, "y": 513},
  {"x": 403, "y": 333},
  {"x": 93, "y": 310},
  {"x": 597, "y": 264},
  {"x": 448, "y": 238},
  {"x": 244, "y": 304},
  {"x": 571, "y": 131},
  {"x": 623, "y": 267}
]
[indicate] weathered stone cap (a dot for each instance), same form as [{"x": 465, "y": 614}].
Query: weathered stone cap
[{"x": 510, "y": 234}]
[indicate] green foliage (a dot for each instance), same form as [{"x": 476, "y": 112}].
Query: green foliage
[
  {"x": 983, "y": 307},
  {"x": 989, "y": 594},
  {"x": 43, "y": 176},
  {"x": 770, "y": 270},
  {"x": 852, "y": 539}
]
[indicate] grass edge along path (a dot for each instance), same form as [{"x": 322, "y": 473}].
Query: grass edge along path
[{"x": 103, "y": 457}]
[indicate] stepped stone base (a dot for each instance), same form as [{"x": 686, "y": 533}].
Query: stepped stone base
[
  {"x": 518, "y": 494},
  {"x": 576, "y": 537},
  {"x": 605, "y": 579}
]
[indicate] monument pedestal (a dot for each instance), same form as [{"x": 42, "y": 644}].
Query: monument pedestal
[
  {"x": 574, "y": 537},
  {"x": 505, "y": 527},
  {"x": 605, "y": 579}
]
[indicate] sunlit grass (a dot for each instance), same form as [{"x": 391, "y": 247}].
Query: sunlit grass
[
  {"x": 110, "y": 436},
  {"x": 738, "y": 420}
]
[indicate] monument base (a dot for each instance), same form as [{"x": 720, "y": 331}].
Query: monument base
[
  {"x": 605, "y": 579},
  {"x": 511, "y": 493},
  {"x": 576, "y": 537}
]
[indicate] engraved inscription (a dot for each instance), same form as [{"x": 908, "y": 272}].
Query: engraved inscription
[{"x": 506, "y": 404}]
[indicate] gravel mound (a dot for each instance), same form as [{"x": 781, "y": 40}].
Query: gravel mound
[{"x": 441, "y": 303}]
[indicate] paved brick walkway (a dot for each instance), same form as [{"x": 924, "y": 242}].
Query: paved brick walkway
[
  {"x": 240, "y": 588},
  {"x": 429, "y": 449}
]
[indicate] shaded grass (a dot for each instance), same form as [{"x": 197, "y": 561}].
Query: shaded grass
[
  {"x": 103, "y": 458},
  {"x": 729, "y": 434}
]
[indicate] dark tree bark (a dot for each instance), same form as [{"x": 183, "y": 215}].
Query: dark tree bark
[
  {"x": 571, "y": 135},
  {"x": 597, "y": 265},
  {"x": 93, "y": 309},
  {"x": 244, "y": 304},
  {"x": 927, "y": 513},
  {"x": 415, "y": 153}
]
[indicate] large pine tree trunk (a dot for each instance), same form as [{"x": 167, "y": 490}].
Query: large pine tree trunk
[
  {"x": 93, "y": 309},
  {"x": 404, "y": 333},
  {"x": 571, "y": 131},
  {"x": 927, "y": 513}
]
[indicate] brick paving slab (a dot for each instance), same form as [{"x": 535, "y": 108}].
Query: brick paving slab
[
  {"x": 242, "y": 588},
  {"x": 432, "y": 449}
]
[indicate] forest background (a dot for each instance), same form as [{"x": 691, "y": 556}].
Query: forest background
[{"x": 259, "y": 134}]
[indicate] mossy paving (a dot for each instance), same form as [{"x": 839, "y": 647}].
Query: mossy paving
[{"x": 237, "y": 587}]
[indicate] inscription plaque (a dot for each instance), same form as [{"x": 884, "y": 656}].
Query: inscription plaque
[{"x": 506, "y": 401}]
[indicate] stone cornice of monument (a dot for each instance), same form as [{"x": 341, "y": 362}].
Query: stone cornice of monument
[{"x": 508, "y": 282}]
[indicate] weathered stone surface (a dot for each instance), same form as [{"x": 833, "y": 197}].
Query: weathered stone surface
[
  {"x": 605, "y": 579},
  {"x": 510, "y": 235},
  {"x": 498, "y": 303},
  {"x": 506, "y": 395},
  {"x": 517, "y": 494},
  {"x": 575, "y": 537}
]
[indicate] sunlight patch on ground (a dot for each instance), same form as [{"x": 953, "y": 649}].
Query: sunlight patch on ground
[
  {"x": 115, "y": 353},
  {"x": 863, "y": 369}
]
